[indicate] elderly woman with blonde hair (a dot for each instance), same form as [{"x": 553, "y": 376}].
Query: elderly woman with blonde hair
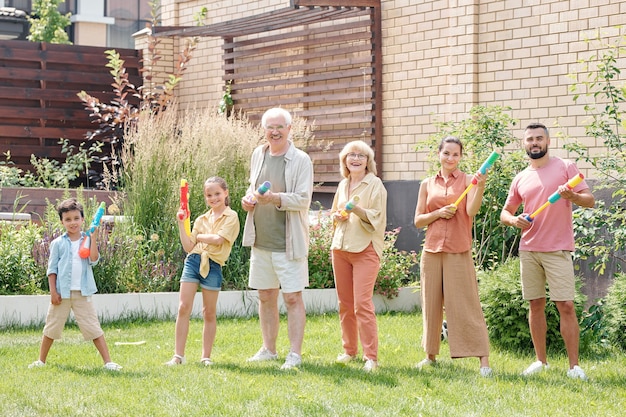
[{"x": 359, "y": 215}]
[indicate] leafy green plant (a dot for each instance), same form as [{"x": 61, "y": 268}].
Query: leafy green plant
[
  {"x": 320, "y": 238},
  {"x": 47, "y": 24},
  {"x": 13, "y": 176},
  {"x": 601, "y": 235},
  {"x": 50, "y": 173},
  {"x": 122, "y": 114},
  {"x": 615, "y": 313},
  {"x": 506, "y": 312},
  {"x": 487, "y": 129},
  {"x": 594, "y": 334},
  {"x": 397, "y": 268},
  {"x": 19, "y": 274},
  {"x": 226, "y": 103}
]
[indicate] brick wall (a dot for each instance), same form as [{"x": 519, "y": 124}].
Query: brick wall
[{"x": 440, "y": 58}]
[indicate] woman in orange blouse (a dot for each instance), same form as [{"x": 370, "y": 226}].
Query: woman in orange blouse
[
  {"x": 447, "y": 273},
  {"x": 357, "y": 247}
]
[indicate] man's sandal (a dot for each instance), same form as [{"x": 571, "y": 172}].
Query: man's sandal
[
  {"x": 176, "y": 360},
  {"x": 206, "y": 361}
]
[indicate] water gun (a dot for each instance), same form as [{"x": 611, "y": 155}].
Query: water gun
[
  {"x": 85, "y": 248},
  {"x": 483, "y": 169},
  {"x": 263, "y": 188},
  {"x": 556, "y": 196},
  {"x": 184, "y": 205},
  {"x": 350, "y": 205}
]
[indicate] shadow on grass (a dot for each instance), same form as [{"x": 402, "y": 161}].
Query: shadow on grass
[{"x": 335, "y": 372}]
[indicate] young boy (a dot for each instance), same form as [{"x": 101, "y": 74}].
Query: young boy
[{"x": 71, "y": 284}]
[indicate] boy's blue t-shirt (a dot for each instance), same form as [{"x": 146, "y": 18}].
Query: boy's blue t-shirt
[{"x": 60, "y": 263}]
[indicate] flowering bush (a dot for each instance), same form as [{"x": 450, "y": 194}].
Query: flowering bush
[
  {"x": 320, "y": 264},
  {"x": 396, "y": 267}
]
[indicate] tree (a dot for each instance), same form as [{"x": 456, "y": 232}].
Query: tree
[
  {"x": 486, "y": 129},
  {"x": 47, "y": 24},
  {"x": 601, "y": 233}
]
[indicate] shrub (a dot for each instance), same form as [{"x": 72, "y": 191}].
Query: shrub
[
  {"x": 320, "y": 263},
  {"x": 615, "y": 313},
  {"x": 396, "y": 269},
  {"x": 486, "y": 130},
  {"x": 162, "y": 149},
  {"x": 600, "y": 86},
  {"x": 19, "y": 274},
  {"x": 506, "y": 312}
]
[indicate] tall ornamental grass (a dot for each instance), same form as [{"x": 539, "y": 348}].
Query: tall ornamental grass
[{"x": 196, "y": 144}]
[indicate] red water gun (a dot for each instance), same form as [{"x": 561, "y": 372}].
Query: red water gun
[{"x": 184, "y": 206}]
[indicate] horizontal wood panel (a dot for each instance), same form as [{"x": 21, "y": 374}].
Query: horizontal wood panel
[
  {"x": 38, "y": 95},
  {"x": 306, "y": 55},
  {"x": 297, "y": 33},
  {"x": 297, "y": 44},
  {"x": 328, "y": 76},
  {"x": 247, "y": 69},
  {"x": 40, "y": 132}
]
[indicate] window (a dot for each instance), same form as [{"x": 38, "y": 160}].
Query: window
[{"x": 130, "y": 16}]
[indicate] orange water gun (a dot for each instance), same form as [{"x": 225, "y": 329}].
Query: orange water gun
[
  {"x": 184, "y": 206},
  {"x": 85, "y": 249}
]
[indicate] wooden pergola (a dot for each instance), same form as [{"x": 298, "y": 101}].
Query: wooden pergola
[{"x": 320, "y": 59}]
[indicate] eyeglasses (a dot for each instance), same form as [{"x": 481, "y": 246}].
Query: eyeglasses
[
  {"x": 278, "y": 127},
  {"x": 353, "y": 155}
]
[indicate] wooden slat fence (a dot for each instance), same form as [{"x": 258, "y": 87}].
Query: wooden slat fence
[{"x": 38, "y": 101}]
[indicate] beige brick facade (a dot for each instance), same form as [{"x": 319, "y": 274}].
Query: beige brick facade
[{"x": 441, "y": 58}]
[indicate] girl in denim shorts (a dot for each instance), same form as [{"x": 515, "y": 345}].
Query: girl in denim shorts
[{"x": 208, "y": 248}]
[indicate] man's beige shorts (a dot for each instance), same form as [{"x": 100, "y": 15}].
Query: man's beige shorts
[
  {"x": 557, "y": 268},
  {"x": 270, "y": 270},
  {"x": 84, "y": 313}
]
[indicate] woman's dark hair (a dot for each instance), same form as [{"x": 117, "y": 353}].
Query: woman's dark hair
[{"x": 451, "y": 139}]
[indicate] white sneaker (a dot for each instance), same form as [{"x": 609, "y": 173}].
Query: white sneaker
[
  {"x": 486, "y": 371},
  {"x": 176, "y": 360},
  {"x": 370, "y": 365},
  {"x": 112, "y": 366},
  {"x": 535, "y": 368},
  {"x": 293, "y": 360},
  {"x": 263, "y": 355},
  {"x": 36, "y": 364},
  {"x": 577, "y": 373},
  {"x": 425, "y": 363},
  {"x": 344, "y": 358}
]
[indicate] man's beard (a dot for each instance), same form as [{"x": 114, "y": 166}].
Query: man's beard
[{"x": 539, "y": 155}]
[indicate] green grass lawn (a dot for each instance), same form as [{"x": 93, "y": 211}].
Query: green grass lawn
[{"x": 74, "y": 383}]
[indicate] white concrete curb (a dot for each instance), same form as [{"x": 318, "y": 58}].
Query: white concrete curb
[{"x": 31, "y": 309}]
